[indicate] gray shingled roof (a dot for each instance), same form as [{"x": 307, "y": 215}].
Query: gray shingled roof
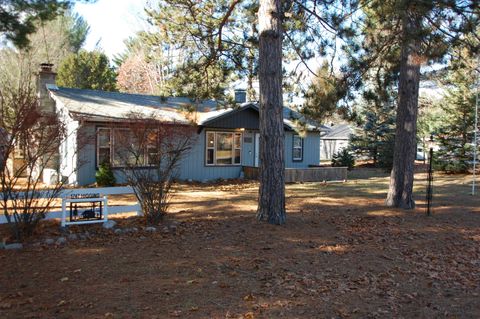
[
  {"x": 103, "y": 105},
  {"x": 338, "y": 132}
]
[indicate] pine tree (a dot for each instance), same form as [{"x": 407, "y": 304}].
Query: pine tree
[
  {"x": 223, "y": 38},
  {"x": 87, "y": 70},
  {"x": 455, "y": 136},
  {"x": 375, "y": 136},
  {"x": 271, "y": 201},
  {"x": 413, "y": 33},
  {"x": 323, "y": 95},
  {"x": 20, "y": 18},
  {"x": 51, "y": 42}
]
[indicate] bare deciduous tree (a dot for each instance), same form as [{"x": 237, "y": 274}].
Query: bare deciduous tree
[
  {"x": 30, "y": 142},
  {"x": 149, "y": 151}
]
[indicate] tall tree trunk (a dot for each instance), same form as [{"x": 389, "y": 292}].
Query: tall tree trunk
[
  {"x": 251, "y": 94},
  {"x": 400, "y": 193},
  {"x": 271, "y": 202}
]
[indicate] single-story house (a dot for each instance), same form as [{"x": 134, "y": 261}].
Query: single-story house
[
  {"x": 228, "y": 138},
  {"x": 334, "y": 140}
]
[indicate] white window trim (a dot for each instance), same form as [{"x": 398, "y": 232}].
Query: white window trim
[
  {"x": 297, "y": 159},
  {"x": 233, "y": 133},
  {"x": 109, "y": 146}
]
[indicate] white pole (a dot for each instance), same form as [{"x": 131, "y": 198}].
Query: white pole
[{"x": 476, "y": 130}]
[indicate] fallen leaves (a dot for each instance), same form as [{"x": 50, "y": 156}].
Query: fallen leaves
[
  {"x": 5, "y": 305},
  {"x": 326, "y": 262},
  {"x": 249, "y": 315}
]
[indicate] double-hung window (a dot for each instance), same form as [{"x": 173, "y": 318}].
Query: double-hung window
[
  {"x": 120, "y": 147},
  {"x": 103, "y": 146},
  {"x": 297, "y": 148},
  {"x": 152, "y": 156},
  {"x": 223, "y": 148}
]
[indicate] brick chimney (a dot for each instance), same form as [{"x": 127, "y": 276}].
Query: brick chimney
[{"x": 46, "y": 77}]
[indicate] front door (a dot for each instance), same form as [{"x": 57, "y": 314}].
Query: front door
[{"x": 257, "y": 149}]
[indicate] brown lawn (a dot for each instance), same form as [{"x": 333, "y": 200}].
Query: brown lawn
[{"x": 342, "y": 254}]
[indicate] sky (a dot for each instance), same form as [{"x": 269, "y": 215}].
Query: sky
[{"x": 111, "y": 22}]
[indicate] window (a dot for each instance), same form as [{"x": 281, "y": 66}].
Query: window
[
  {"x": 19, "y": 152},
  {"x": 19, "y": 148},
  {"x": 223, "y": 148},
  {"x": 103, "y": 146},
  {"x": 152, "y": 148},
  {"x": 119, "y": 147},
  {"x": 210, "y": 148},
  {"x": 126, "y": 149},
  {"x": 297, "y": 148}
]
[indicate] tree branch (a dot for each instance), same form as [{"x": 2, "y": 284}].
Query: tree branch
[
  {"x": 322, "y": 20},
  {"x": 297, "y": 50},
  {"x": 224, "y": 21}
]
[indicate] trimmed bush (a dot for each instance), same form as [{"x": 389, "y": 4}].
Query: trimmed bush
[
  {"x": 343, "y": 158},
  {"x": 104, "y": 176}
]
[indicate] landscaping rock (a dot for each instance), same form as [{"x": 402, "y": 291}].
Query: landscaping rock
[
  {"x": 165, "y": 230},
  {"x": 118, "y": 231},
  {"x": 49, "y": 241},
  {"x": 131, "y": 230},
  {"x": 72, "y": 237},
  {"x": 150, "y": 229},
  {"x": 109, "y": 224},
  {"x": 14, "y": 246},
  {"x": 61, "y": 241}
]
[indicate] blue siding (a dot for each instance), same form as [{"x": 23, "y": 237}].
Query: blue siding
[
  {"x": 247, "y": 119},
  {"x": 193, "y": 165},
  {"x": 86, "y": 156},
  {"x": 311, "y": 150}
]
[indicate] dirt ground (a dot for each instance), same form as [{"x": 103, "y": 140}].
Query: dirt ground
[{"x": 342, "y": 254}]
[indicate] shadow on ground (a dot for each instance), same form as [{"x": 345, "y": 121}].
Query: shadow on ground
[{"x": 342, "y": 254}]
